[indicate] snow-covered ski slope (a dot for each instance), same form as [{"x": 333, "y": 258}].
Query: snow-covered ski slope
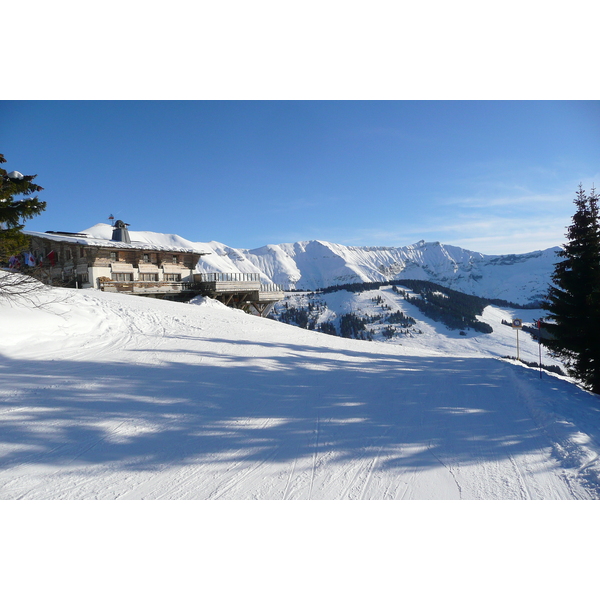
[{"x": 105, "y": 396}]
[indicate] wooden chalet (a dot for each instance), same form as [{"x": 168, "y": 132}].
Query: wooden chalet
[{"x": 122, "y": 266}]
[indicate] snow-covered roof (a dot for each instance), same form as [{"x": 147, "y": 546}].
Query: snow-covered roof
[{"x": 86, "y": 239}]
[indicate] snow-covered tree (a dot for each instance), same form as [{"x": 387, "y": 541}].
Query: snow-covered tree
[{"x": 573, "y": 302}]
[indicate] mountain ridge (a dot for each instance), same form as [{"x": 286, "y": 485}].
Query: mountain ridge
[{"x": 521, "y": 278}]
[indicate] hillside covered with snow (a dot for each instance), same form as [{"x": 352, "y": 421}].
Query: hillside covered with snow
[
  {"x": 108, "y": 396},
  {"x": 519, "y": 278},
  {"x": 312, "y": 265}
]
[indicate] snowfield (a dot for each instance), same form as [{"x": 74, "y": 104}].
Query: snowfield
[{"x": 106, "y": 396}]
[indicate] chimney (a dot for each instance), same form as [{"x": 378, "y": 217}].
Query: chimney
[{"x": 120, "y": 233}]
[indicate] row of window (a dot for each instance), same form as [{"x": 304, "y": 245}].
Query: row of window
[
  {"x": 146, "y": 277},
  {"x": 60, "y": 253},
  {"x": 147, "y": 258},
  {"x": 70, "y": 253}
]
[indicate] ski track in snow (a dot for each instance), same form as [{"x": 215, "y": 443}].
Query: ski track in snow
[{"x": 112, "y": 397}]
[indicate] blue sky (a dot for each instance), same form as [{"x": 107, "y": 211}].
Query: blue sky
[{"x": 491, "y": 176}]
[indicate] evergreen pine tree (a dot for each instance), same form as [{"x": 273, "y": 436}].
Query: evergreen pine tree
[
  {"x": 573, "y": 302},
  {"x": 14, "y": 211}
]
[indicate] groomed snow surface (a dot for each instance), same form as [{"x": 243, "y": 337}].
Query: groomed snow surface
[{"x": 105, "y": 396}]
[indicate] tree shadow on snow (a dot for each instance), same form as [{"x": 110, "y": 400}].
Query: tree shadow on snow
[{"x": 411, "y": 412}]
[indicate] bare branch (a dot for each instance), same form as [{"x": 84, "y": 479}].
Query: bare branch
[{"x": 17, "y": 288}]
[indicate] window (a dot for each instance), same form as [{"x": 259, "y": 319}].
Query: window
[
  {"x": 174, "y": 259},
  {"x": 172, "y": 276},
  {"x": 123, "y": 276},
  {"x": 148, "y": 276},
  {"x": 113, "y": 256},
  {"x": 81, "y": 252},
  {"x": 146, "y": 258}
]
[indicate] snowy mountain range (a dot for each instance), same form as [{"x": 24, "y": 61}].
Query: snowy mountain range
[
  {"x": 315, "y": 264},
  {"x": 309, "y": 265}
]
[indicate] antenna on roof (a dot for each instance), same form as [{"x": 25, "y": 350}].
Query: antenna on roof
[{"x": 111, "y": 219}]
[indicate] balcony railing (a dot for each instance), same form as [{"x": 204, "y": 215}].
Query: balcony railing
[
  {"x": 237, "y": 278},
  {"x": 225, "y": 277},
  {"x": 213, "y": 282},
  {"x": 271, "y": 287},
  {"x": 149, "y": 287}
]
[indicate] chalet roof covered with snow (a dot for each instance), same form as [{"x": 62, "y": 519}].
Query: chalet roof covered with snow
[{"x": 100, "y": 235}]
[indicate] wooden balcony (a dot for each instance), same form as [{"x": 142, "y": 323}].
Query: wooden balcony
[
  {"x": 240, "y": 290},
  {"x": 150, "y": 288},
  {"x": 270, "y": 292},
  {"x": 228, "y": 282}
]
